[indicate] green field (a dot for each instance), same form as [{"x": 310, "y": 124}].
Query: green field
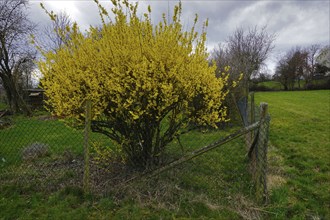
[
  {"x": 216, "y": 185},
  {"x": 274, "y": 85},
  {"x": 299, "y": 154},
  {"x": 213, "y": 185}
]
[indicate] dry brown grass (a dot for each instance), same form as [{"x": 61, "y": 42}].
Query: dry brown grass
[{"x": 276, "y": 174}]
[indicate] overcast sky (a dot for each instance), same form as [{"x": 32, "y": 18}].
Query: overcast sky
[{"x": 295, "y": 23}]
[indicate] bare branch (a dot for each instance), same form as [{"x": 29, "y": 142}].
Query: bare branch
[
  {"x": 245, "y": 51},
  {"x": 15, "y": 51},
  {"x": 55, "y": 36}
]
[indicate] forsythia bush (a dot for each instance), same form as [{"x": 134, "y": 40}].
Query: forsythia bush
[{"x": 146, "y": 81}]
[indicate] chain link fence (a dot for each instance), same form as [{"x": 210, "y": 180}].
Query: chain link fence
[
  {"x": 40, "y": 152},
  {"x": 46, "y": 153},
  {"x": 257, "y": 145}
]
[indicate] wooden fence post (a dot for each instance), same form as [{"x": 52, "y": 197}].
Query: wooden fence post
[
  {"x": 261, "y": 155},
  {"x": 86, "y": 146}
]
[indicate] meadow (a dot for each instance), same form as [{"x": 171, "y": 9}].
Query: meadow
[
  {"x": 299, "y": 153},
  {"x": 216, "y": 185}
]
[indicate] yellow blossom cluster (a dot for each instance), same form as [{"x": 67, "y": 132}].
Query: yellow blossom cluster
[
  {"x": 134, "y": 71},
  {"x": 134, "y": 68}
]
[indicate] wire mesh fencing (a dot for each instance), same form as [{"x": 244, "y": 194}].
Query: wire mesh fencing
[
  {"x": 41, "y": 152},
  {"x": 47, "y": 153},
  {"x": 256, "y": 142},
  {"x": 52, "y": 153}
]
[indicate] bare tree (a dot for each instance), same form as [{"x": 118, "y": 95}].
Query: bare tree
[
  {"x": 283, "y": 75},
  {"x": 245, "y": 52},
  {"x": 55, "y": 35},
  {"x": 311, "y": 64},
  {"x": 221, "y": 57},
  {"x": 15, "y": 51},
  {"x": 23, "y": 76},
  {"x": 298, "y": 64},
  {"x": 292, "y": 67}
]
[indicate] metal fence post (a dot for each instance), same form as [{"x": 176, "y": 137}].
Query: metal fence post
[{"x": 86, "y": 187}]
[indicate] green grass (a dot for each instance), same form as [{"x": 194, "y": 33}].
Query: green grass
[
  {"x": 26, "y": 131},
  {"x": 215, "y": 185},
  {"x": 272, "y": 85},
  {"x": 58, "y": 135},
  {"x": 299, "y": 133}
]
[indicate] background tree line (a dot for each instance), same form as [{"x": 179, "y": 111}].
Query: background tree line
[{"x": 307, "y": 64}]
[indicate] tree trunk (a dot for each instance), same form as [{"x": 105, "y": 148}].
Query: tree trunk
[
  {"x": 14, "y": 98},
  {"x": 286, "y": 87}
]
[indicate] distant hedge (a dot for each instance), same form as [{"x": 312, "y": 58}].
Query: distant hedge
[
  {"x": 261, "y": 88},
  {"x": 319, "y": 86},
  {"x": 316, "y": 85}
]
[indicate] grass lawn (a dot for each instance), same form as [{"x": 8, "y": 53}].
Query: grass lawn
[
  {"x": 27, "y": 131},
  {"x": 212, "y": 186},
  {"x": 300, "y": 152},
  {"x": 215, "y": 185}
]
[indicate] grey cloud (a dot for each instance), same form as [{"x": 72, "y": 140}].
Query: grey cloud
[{"x": 295, "y": 22}]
